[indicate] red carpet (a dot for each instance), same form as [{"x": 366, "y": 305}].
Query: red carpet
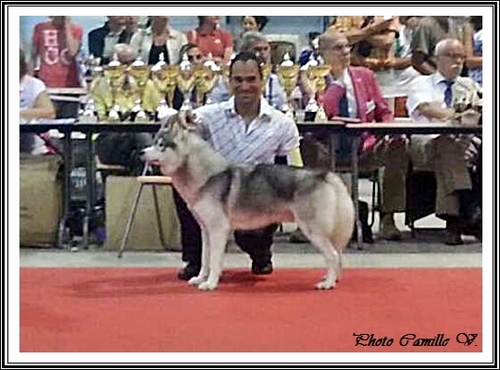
[{"x": 149, "y": 310}]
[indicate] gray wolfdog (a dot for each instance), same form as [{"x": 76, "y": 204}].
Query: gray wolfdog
[{"x": 225, "y": 196}]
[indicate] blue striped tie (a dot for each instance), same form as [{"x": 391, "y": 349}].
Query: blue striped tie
[{"x": 448, "y": 94}]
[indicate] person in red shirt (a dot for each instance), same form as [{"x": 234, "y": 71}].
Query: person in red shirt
[
  {"x": 211, "y": 39},
  {"x": 56, "y": 43}
]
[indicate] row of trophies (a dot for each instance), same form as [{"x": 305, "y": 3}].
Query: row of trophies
[{"x": 139, "y": 92}]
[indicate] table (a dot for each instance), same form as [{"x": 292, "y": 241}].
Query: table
[
  {"x": 73, "y": 94},
  {"x": 357, "y": 129},
  {"x": 329, "y": 128}
]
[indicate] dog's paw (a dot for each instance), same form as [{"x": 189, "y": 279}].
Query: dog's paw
[
  {"x": 197, "y": 280},
  {"x": 206, "y": 285},
  {"x": 325, "y": 284}
]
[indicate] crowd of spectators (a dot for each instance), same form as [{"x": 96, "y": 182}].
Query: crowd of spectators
[{"x": 381, "y": 68}]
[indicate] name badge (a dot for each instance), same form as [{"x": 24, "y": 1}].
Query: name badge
[{"x": 370, "y": 106}]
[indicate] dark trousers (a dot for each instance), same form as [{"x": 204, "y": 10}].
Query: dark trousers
[
  {"x": 256, "y": 243},
  {"x": 66, "y": 109},
  {"x": 123, "y": 149}
]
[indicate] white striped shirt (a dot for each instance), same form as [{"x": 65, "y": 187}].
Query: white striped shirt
[{"x": 270, "y": 134}]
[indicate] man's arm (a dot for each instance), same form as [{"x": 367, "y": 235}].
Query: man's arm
[
  {"x": 435, "y": 111},
  {"x": 421, "y": 63}
]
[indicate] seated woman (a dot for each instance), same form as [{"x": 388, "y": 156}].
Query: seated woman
[
  {"x": 158, "y": 39},
  {"x": 34, "y": 103}
]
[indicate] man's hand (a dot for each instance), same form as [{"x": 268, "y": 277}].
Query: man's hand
[{"x": 472, "y": 150}]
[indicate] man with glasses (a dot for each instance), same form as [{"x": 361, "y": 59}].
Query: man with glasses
[
  {"x": 193, "y": 54},
  {"x": 353, "y": 92},
  {"x": 431, "y": 99}
]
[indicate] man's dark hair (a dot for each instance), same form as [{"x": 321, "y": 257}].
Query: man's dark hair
[{"x": 245, "y": 56}]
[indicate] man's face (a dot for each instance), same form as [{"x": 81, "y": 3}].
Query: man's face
[
  {"x": 194, "y": 56},
  {"x": 245, "y": 81},
  {"x": 336, "y": 51},
  {"x": 262, "y": 49},
  {"x": 450, "y": 61}
]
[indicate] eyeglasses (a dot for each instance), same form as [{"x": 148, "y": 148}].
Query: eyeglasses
[
  {"x": 453, "y": 55},
  {"x": 340, "y": 47},
  {"x": 192, "y": 58}
]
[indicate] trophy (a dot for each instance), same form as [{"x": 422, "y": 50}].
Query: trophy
[
  {"x": 287, "y": 74},
  {"x": 165, "y": 77},
  {"x": 266, "y": 70},
  {"x": 138, "y": 114},
  {"x": 114, "y": 114},
  {"x": 315, "y": 81},
  {"x": 186, "y": 82},
  {"x": 88, "y": 114},
  {"x": 110, "y": 89},
  {"x": 140, "y": 73},
  {"x": 205, "y": 76}
]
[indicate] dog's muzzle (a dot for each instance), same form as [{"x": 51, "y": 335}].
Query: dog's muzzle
[{"x": 147, "y": 155}]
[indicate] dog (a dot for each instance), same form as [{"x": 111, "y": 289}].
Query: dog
[{"x": 225, "y": 196}]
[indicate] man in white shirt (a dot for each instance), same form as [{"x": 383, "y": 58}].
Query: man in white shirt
[
  {"x": 244, "y": 129},
  {"x": 273, "y": 91},
  {"x": 433, "y": 98}
]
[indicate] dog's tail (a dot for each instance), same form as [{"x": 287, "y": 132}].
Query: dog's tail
[{"x": 344, "y": 212}]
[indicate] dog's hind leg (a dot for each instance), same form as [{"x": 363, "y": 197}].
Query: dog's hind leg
[{"x": 330, "y": 254}]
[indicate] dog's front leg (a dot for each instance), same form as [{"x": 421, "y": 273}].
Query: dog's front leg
[
  {"x": 217, "y": 242},
  {"x": 205, "y": 253}
]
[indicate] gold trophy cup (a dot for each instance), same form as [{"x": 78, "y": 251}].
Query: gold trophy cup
[
  {"x": 315, "y": 81},
  {"x": 266, "y": 71},
  {"x": 166, "y": 79},
  {"x": 205, "y": 76},
  {"x": 185, "y": 82},
  {"x": 111, "y": 89},
  {"x": 140, "y": 73},
  {"x": 288, "y": 73}
]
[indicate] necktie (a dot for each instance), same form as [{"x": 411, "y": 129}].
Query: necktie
[
  {"x": 343, "y": 142},
  {"x": 448, "y": 94},
  {"x": 343, "y": 106}
]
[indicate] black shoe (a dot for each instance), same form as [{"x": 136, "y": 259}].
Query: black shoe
[
  {"x": 453, "y": 232},
  {"x": 191, "y": 270},
  {"x": 259, "y": 268},
  {"x": 453, "y": 238}
]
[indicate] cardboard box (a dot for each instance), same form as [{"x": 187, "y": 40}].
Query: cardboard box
[
  {"x": 144, "y": 234},
  {"x": 41, "y": 200}
]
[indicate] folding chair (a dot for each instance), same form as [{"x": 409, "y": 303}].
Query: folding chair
[{"x": 145, "y": 180}]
